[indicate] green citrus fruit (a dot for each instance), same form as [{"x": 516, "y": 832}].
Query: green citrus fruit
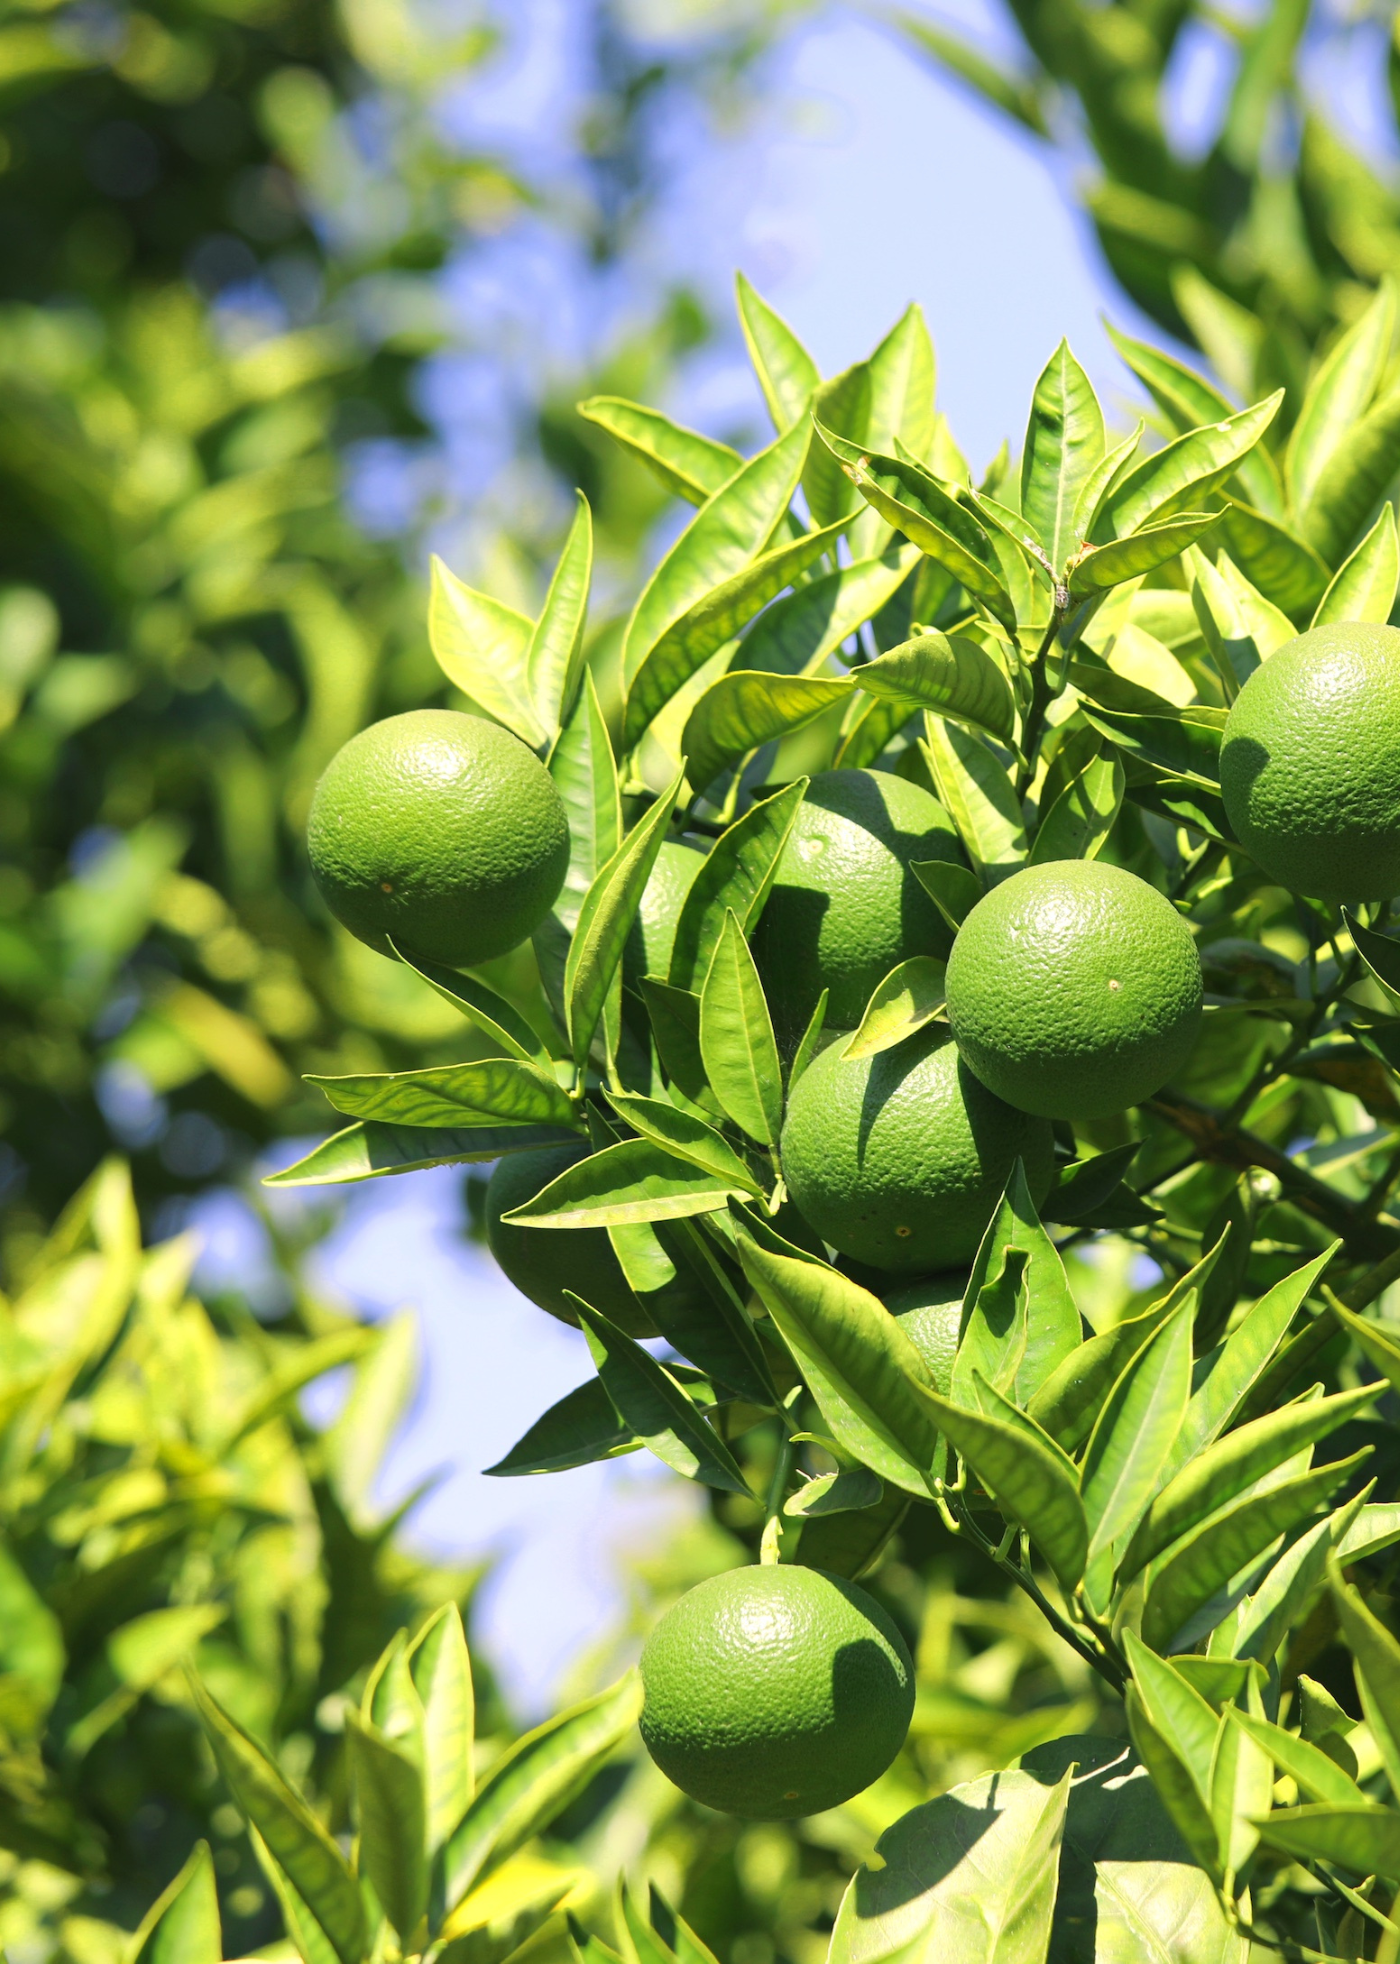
[
  {"x": 441, "y": 831},
  {"x": 776, "y": 1691},
  {"x": 1308, "y": 765},
  {"x": 845, "y": 908},
  {"x": 899, "y": 1159},
  {"x": 544, "y": 1262},
  {"x": 1074, "y": 989},
  {"x": 653, "y": 933},
  {"x": 929, "y": 1312}
]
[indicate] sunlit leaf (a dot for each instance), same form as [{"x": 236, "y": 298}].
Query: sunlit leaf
[
  {"x": 786, "y": 373},
  {"x": 745, "y": 709},
  {"x": 481, "y": 645},
  {"x": 503, "y": 1089},
  {"x": 1365, "y": 584},
  {"x": 910, "y": 996},
  {"x": 652, "y": 1403},
  {"x": 691, "y": 465},
  {"x": 633, "y": 1181},
  {"x": 955, "y": 677},
  {"x": 738, "y": 873}
]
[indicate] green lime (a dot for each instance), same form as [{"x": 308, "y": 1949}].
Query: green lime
[
  {"x": 776, "y": 1691},
  {"x": 441, "y": 831},
  {"x": 653, "y": 934},
  {"x": 544, "y": 1262},
  {"x": 1074, "y": 989},
  {"x": 900, "y": 1159},
  {"x": 929, "y": 1312},
  {"x": 845, "y": 908},
  {"x": 1308, "y": 765}
]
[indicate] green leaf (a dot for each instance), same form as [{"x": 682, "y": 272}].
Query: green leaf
[
  {"x": 1284, "y": 567},
  {"x": 702, "y": 1315},
  {"x": 747, "y": 708},
  {"x": 841, "y": 405},
  {"x": 1140, "y": 552},
  {"x": 370, "y": 1151},
  {"x": 481, "y": 646},
  {"x": 910, "y": 996},
  {"x": 836, "y": 1493},
  {"x": 182, "y": 1924},
  {"x": 1064, "y": 441},
  {"x": 1087, "y": 1184},
  {"x": 533, "y": 1782},
  {"x": 1177, "y": 1790},
  {"x": 1379, "y": 952},
  {"x": 684, "y": 1135},
  {"x": 301, "y": 1926},
  {"x": 738, "y": 873},
  {"x": 555, "y": 654},
  {"x": 441, "y": 1669},
  {"x": 810, "y": 1038},
  {"x": 691, "y": 465},
  {"x": 955, "y": 677},
  {"x": 1364, "y": 1840},
  {"x": 1180, "y": 476},
  {"x": 1188, "y": 400},
  {"x": 1353, "y": 480},
  {"x": 1319, "y": 1777},
  {"x": 674, "y": 1016},
  {"x": 1365, "y": 585},
  {"x": 581, "y": 1428},
  {"x": 1176, "y": 1710},
  {"x": 634, "y": 1181},
  {"x": 1195, "y": 1568},
  {"x": 796, "y": 634},
  {"x": 976, "y": 793},
  {"x": 1375, "y": 1527},
  {"x": 1187, "y": 745},
  {"x": 650, "y": 1401},
  {"x": 1106, "y": 475},
  {"x": 1217, "y": 1474},
  {"x": 1077, "y": 825},
  {"x": 605, "y": 921},
  {"x": 731, "y": 528},
  {"x": 303, "y": 1850},
  {"x": 501, "y": 1088},
  {"x": 737, "y": 1041},
  {"x": 1241, "y": 628},
  {"x": 1014, "y": 95},
  {"x": 1135, "y": 1431},
  {"x": 1048, "y": 1326},
  {"x": 502, "y": 1915},
  {"x": 864, "y": 1373},
  {"x": 1338, "y": 396},
  {"x": 585, "y": 776},
  {"x": 953, "y": 889},
  {"x": 1376, "y": 1661},
  {"x": 902, "y": 373},
  {"x": 492, "y": 1014},
  {"x": 714, "y": 618},
  {"x": 1241, "y": 1788},
  {"x": 392, "y": 1810},
  {"x": 786, "y": 372},
  {"x": 870, "y": 731}
]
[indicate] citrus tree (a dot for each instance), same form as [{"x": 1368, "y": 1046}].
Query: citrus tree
[{"x": 975, "y": 880}]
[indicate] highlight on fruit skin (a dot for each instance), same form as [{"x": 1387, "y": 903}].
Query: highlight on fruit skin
[
  {"x": 776, "y": 1691},
  {"x": 1074, "y": 990},
  {"x": 1310, "y": 763},
  {"x": 439, "y": 832}
]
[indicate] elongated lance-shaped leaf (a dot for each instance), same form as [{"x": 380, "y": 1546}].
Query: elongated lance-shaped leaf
[
  {"x": 737, "y": 1041},
  {"x": 691, "y": 465},
  {"x": 1133, "y": 1436},
  {"x": 1104, "y": 479},
  {"x": 481, "y": 645},
  {"x": 710, "y": 623},
  {"x": 392, "y": 1812},
  {"x": 732, "y": 527},
  {"x": 1179, "y": 477},
  {"x": 1187, "y": 745},
  {"x": 1364, "y": 587},
  {"x": 585, "y": 776},
  {"x": 305, "y": 1852},
  {"x": 441, "y": 1669},
  {"x": 649, "y": 1399},
  {"x": 910, "y": 996},
  {"x": 747, "y": 708},
  {"x": 1339, "y": 395},
  {"x": 1318, "y": 1777},
  {"x": 1128, "y": 558},
  {"x": 1241, "y": 1788},
  {"x": 955, "y": 677},
  {"x": 1374, "y": 1342},
  {"x": 1376, "y": 1526},
  {"x": 1175, "y": 1788},
  {"x": 1077, "y": 825},
  {"x": 796, "y": 634},
  {"x": 954, "y": 890},
  {"x": 555, "y": 654},
  {"x": 370, "y": 1151},
  {"x": 841, "y": 404},
  {"x": 977, "y": 795},
  {"x": 531, "y": 1784},
  {"x": 902, "y": 375},
  {"x": 1189, "y": 400},
  {"x": 1195, "y": 1568},
  {"x": 738, "y": 873},
  {"x": 1064, "y": 441},
  {"x": 1241, "y": 628},
  {"x": 622, "y": 1184},
  {"x": 1237, "y": 1461},
  {"x": 182, "y": 1924},
  {"x": 605, "y": 921},
  {"x": 1379, "y": 952},
  {"x": 311, "y": 1941},
  {"x": 786, "y": 372},
  {"x": 581, "y": 1428},
  {"x": 1087, "y": 1184},
  {"x": 503, "y": 1090},
  {"x": 1281, "y": 565},
  {"x": 1376, "y": 1660},
  {"x": 1048, "y": 1328},
  {"x": 492, "y": 1014},
  {"x": 684, "y": 1135},
  {"x": 862, "y": 1369},
  {"x": 1176, "y": 1710},
  {"x": 1364, "y": 1839},
  {"x": 1281, "y": 1601},
  {"x": 1352, "y": 481},
  {"x": 807, "y": 1044}
]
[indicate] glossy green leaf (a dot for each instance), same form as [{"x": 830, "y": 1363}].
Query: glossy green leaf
[
  {"x": 1241, "y": 628},
  {"x": 1241, "y": 1789},
  {"x": 1176, "y": 1710},
  {"x": 1280, "y": 564},
  {"x": 902, "y": 374},
  {"x": 738, "y": 873},
  {"x": 1179, "y": 477},
  {"x": 1375, "y": 1527},
  {"x": 747, "y": 708},
  {"x": 1365, "y": 585},
  {"x": 684, "y": 1135},
  {"x": 1379, "y": 952},
  {"x": 807, "y": 1044},
  {"x": 1135, "y": 1431},
  {"x": 1077, "y": 825},
  {"x": 796, "y": 634},
  {"x": 481, "y": 646},
  {"x": 554, "y": 657},
  {"x": 581, "y": 1428},
  {"x": 392, "y": 1809},
  {"x": 533, "y": 1782},
  {"x": 370, "y": 1151},
  {"x": 1189, "y": 400},
  {"x": 910, "y": 996},
  {"x": 1376, "y": 1660},
  {"x": 1186, "y": 745},
  {"x": 674, "y": 1016},
  {"x": 306, "y": 1934},
  {"x": 1318, "y": 1777},
  {"x": 496, "y": 1018},
  {"x": 1353, "y": 480},
  {"x": 585, "y": 775},
  {"x": 605, "y": 921},
  {"x": 1363, "y": 1840},
  {"x": 1137, "y": 553},
  {"x": 977, "y": 795},
  {"x": 304, "y": 1851},
  {"x": 1179, "y": 1793},
  {"x": 835, "y": 1493},
  {"x": 652, "y": 1403},
  {"x": 786, "y": 373},
  {"x": 863, "y": 1371},
  {"x": 633, "y": 1181},
  {"x": 737, "y": 1041},
  {"x": 1339, "y": 395},
  {"x": 955, "y": 677},
  {"x": 503, "y": 1914},
  {"x": 1103, "y": 480},
  {"x": 441, "y": 1669},
  {"x": 182, "y": 1924},
  {"x": 1042, "y": 1328},
  {"x": 1087, "y": 1184},
  {"x": 503, "y": 1089},
  {"x": 691, "y": 465},
  {"x": 953, "y": 889},
  {"x": 870, "y": 730},
  {"x": 1064, "y": 441}
]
